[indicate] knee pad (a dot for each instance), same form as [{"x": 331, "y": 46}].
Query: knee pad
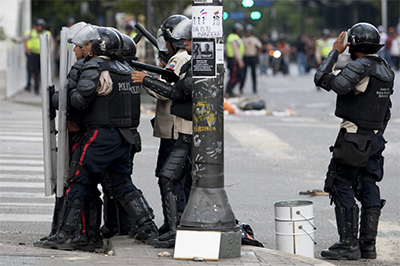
[{"x": 175, "y": 166}]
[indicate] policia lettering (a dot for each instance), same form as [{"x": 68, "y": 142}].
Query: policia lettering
[{"x": 363, "y": 91}]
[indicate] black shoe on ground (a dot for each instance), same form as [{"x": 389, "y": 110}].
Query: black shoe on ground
[
  {"x": 163, "y": 229},
  {"x": 147, "y": 232},
  {"x": 39, "y": 243},
  {"x": 341, "y": 251},
  {"x": 368, "y": 250},
  {"x": 61, "y": 241},
  {"x": 166, "y": 240}
]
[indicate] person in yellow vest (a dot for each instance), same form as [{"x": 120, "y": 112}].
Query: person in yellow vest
[
  {"x": 32, "y": 49},
  {"x": 323, "y": 46},
  {"x": 234, "y": 54}
]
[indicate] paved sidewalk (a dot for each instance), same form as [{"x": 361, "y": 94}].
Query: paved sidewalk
[{"x": 126, "y": 251}]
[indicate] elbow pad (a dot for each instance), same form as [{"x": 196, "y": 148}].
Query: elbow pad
[
  {"x": 325, "y": 68},
  {"x": 159, "y": 87},
  {"x": 77, "y": 100},
  {"x": 188, "y": 86}
]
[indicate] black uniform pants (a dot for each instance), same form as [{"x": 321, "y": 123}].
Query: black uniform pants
[
  {"x": 373, "y": 171},
  {"x": 235, "y": 76},
  {"x": 98, "y": 150},
  {"x": 250, "y": 61}
]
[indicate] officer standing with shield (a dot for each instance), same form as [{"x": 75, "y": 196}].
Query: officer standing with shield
[
  {"x": 363, "y": 91},
  {"x": 174, "y": 177},
  {"x": 103, "y": 96},
  {"x": 72, "y": 122}
]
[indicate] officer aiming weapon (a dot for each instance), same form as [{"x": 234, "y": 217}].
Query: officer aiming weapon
[{"x": 167, "y": 74}]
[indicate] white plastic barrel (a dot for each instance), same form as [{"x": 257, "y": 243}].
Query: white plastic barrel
[{"x": 294, "y": 227}]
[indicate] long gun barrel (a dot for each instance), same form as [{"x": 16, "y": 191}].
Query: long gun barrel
[
  {"x": 167, "y": 74},
  {"x": 145, "y": 33},
  {"x": 164, "y": 55}
]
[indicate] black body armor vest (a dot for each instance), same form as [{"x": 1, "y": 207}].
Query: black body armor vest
[
  {"x": 121, "y": 107},
  {"x": 368, "y": 109}
]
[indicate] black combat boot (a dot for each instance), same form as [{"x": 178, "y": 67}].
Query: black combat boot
[
  {"x": 54, "y": 224},
  {"x": 142, "y": 215},
  {"x": 347, "y": 247},
  {"x": 92, "y": 239},
  {"x": 167, "y": 240},
  {"x": 164, "y": 228},
  {"x": 369, "y": 231},
  {"x": 68, "y": 228}
]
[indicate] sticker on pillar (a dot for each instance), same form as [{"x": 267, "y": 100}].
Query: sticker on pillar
[
  {"x": 204, "y": 118},
  {"x": 203, "y": 58},
  {"x": 207, "y": 21}
]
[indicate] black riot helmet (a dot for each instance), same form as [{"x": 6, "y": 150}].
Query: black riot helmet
[
  {"x": 364, "y": 37},
  {"x": 108, "y": 43},
  {"x": 129, "y": 48},
  {"x": 168, "y": 26}
]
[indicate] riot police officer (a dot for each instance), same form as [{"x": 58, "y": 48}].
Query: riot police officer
[
  {"x": 174, "y": 173},
  {"x": 116, "y": 219},
  {"x": 73, "y": 124},
  {"x": 103, "y": 94},
  {"x": 363, "y": 91}
]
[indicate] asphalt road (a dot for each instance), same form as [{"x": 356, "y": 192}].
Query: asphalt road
[{"x": 268, "y": 158}]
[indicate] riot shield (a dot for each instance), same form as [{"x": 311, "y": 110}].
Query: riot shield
[
  {"x": 48, "y": 119},
  {"x": 62, "y": 152}
]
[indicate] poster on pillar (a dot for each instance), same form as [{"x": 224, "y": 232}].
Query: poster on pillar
[
  {"x": 204, "y": 58},
  {"x": 207, "y": 21}
]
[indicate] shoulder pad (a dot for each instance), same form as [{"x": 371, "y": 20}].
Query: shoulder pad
[
  {"x": 88, "y": 81},
  {"x": 119, "y": 68},
  {"x": 73, "y": 75},
  {"x": 128, "y": 66},
  {"x": 352, "y": 73},
  {"x": 383, "y": 72},
  {"x": 91, "y": 74},
  {"x": 93, "y": 63},
  {"x": 359, "y": 66},
  {"x": 78, "y": 64}
]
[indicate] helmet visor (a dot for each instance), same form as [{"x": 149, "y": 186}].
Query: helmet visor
[
  {"x": 74, "y": 29},
  {"x": 183, "y": 31},
  {"x": 85, "y": 35},
  {"x": 162, "y": 45}
]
